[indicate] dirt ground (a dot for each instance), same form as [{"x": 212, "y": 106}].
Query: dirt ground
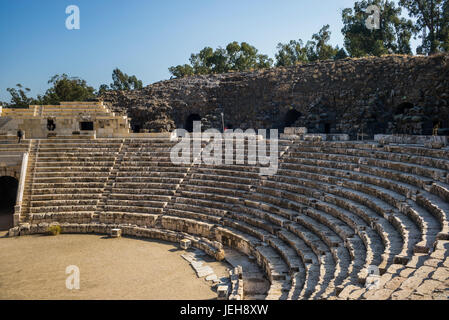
[{"x": 34, "y": 267}]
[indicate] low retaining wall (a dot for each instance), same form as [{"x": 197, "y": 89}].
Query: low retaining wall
[
  {"x": 212, "y": 248},
  {"x": 409, "y": 139}
]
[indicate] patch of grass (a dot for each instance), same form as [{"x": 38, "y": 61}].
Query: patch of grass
[{"x": 54, "y": 230}]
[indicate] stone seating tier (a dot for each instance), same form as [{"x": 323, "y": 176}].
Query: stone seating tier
[{"x": 333, "y": 210}]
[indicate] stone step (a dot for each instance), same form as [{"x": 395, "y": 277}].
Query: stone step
[{"x": 133, "y": 209}]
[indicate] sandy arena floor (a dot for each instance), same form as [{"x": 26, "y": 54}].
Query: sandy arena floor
[{"x": 33, "y": 267}]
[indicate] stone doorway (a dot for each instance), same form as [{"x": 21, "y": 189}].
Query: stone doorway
[
  {"x": 291, "y": 117},
  {"x": 190, "y": 120},
  {"x": 8, "y": 195},
  {"x": 403, "y": 108},
  {"x": 87, "y": 126}
]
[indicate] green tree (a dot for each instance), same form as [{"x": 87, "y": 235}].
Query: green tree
[
  {"x": 65, "y": 88},
  {"x": 102, "y": 89},
  {"x": 19, "y": 97},
  {"x": 245, "y": 57},
  {"x": 319, "y": 48},
  {"x": 182, "y": 71},
  {"x": 393, "y": 36},
  {"x": 291, "y": 53},
  {"x": 121, "y": 81},
  {"x": 341, "y": 53},
  {"x": 202, "y": 61},
  {"x": 432, "y": 17},
  {"x": 235, "y": 57},
  {"x": 445, "y": 27}
]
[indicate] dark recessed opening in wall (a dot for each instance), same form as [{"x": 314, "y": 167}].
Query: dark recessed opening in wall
[
  {"x": 190, "y": 120},
  {"x": 51, "y": 126},
  {"x": 136, "y": 128},
  {"x": 403, "y": 107},
  {"x": 87, "y": 126},
  {"x": 327, "y": 128},
  {"x": 8, "y": 195},
  {"x": 291, "y": 117}
]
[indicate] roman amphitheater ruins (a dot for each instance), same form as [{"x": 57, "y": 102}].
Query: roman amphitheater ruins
[{"x": 358, "y": 209}]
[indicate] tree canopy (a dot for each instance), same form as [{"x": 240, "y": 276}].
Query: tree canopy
[
  {"x": 65, "y": 88},
  {"x": 235, "y": 57},
  {"x": 432, "y": 21},
  {"x": 393, "y": 36},
  {"x": 295, "y": 52},
  {"x": 19, "y": 96},
  {"x": 121, "y": 81}
]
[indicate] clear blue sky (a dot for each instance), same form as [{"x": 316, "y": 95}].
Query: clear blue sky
[{"x": 143, "y": 37}]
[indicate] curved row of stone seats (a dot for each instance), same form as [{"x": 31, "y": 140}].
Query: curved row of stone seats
[
  {"x": 413, "y": 215},
  {"x": 68, "y": 177},
  {"x": 215, "y": 193},
  {"x": 391, "y": 191},
  {"x": 275, "y": 219},
  {"x": 376, "y": 187},
  {"x": 218, "y": 213},
  {"x": 273, "y": 263},
  {"x": 430, "y": 195},
  {"x": 333, "y": 258},
  {"x": 389, "y": 161},
  {"x": 315, "y": 227},
  {"x": 428, "y": 281},
  {"x": 377, "y": 211},
  {"x": 346, "y": 190},
  {"x": 146, "y": 179},
  {"x": 270, "y": 261},
  {"x": 354, "y": 215},
  {"x": 274, "y": 266},
  {"x": 436, "y": 159}
]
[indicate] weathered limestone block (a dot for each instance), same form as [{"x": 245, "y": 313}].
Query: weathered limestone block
[
  {"x": 394, "y": 283},
  {"x": 347, "y": 291},
  {"x": 427, "y": 287},
  {"x": 116, "y": 233},
  {"x": 14, "y": 232},
  {"x": 313, "y": 138},
  {"x": 381, "y": 294},
  {"x": 185, "y": 244},
  {"x": 295, "y": 131},
  {"x": 401, "y": 294},
  {"x": 223, "y": 292},
  {"x": 189, "y": 226}
]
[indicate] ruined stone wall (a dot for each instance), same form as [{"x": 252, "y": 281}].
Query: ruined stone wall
[{"x": 391, "y": 94}]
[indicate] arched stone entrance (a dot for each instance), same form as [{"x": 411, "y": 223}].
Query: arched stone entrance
[
  {"x": 8, "y": 195},
  {"x": 189, "y": 121},
  {"x": 403, "y": 108},
  {"x": 291, "y": 117},
  {"x": 327, "y": 127}
]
